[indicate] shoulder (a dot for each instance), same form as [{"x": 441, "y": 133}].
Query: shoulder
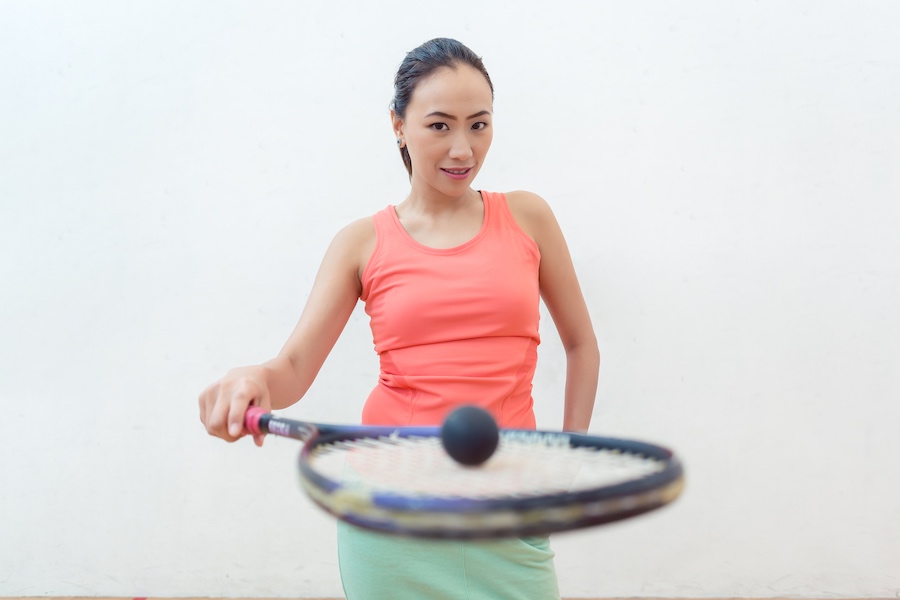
[
  {"x": 526, "y": 202},
  {"x": 531, "y": 212},
  {"x": 359, "y": 231},
  {"x": 353, "y": 244}
]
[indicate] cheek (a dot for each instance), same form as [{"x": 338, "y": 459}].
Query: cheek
[
  {"x": 485, "y": 142},
  {"x": 424, "y": 149}
]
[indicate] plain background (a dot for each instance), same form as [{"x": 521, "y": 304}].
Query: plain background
[{"x": 726, "y": 174}]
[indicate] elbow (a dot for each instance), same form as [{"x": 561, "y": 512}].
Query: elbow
[{"x": 585, "y": 347}]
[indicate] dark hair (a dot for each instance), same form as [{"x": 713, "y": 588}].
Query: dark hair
[{"x": 422, "y": 62}]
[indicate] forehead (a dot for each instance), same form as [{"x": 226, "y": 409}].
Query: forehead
[{"x": 463, "y": 87}]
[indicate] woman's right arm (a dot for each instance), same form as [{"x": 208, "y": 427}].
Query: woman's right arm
[{"x": 282, "y": 381}]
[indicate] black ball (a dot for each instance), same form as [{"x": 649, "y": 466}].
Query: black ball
[{"x": 470, "y": 435}]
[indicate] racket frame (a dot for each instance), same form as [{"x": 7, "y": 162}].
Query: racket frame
[{"x": 457, "y": 517}]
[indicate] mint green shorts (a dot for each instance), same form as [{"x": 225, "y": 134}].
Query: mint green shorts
[{"x": 375, "y": 566}]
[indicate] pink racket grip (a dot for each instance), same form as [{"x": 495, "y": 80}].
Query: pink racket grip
[{"x": 251, "y": 419}]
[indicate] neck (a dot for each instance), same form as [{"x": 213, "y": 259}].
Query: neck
[{"x": 423, "y": 199}]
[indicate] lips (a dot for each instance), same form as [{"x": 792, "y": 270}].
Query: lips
[{"x": 458, "y": 173}]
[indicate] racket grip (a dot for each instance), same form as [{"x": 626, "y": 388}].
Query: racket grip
[{"x": 252, "y": 418}]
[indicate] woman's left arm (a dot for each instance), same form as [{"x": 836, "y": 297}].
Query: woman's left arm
[{"x": 564, "y": 300}]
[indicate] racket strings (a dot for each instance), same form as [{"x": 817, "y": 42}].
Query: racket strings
[{"x": 419, "y": 466}]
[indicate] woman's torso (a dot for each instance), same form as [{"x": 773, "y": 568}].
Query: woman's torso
[{"x": 453, "y": 325}]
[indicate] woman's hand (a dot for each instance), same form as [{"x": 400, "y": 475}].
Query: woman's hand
[{"x": 223, "y": 404}]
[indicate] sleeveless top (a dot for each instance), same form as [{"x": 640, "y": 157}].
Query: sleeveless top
[{"x": 453, "y": 326}]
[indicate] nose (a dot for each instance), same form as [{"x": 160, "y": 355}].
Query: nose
[{"x": 460, "y": 147}]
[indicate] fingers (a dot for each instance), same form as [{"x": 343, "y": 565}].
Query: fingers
[
  {"x": 235, "y": 413},
  {"x": 217, "y": 424},
  {"x": 223, "y": 404},
  {"x": 207, "y": 401}
]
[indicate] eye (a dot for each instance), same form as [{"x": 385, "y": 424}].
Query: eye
[
  {"x": 439, "y": 127},
  {"x": 479, "y": 126}
]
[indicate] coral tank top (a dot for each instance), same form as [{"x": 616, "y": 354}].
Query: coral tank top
[{"x": 453, "y": 326}]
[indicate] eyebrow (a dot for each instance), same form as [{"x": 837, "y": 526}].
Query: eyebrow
[{"x": 444, "y": 115}]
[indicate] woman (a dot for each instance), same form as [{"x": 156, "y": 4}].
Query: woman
[{"x": 452, "y": 280}]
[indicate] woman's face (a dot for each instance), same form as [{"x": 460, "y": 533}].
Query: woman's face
[{"x": 447, "y": 129}]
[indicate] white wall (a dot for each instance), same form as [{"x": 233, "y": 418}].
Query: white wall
[{"x": 727, "y": 177}]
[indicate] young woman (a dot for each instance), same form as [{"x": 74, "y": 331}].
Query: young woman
[{"x": 452, "y": 279}]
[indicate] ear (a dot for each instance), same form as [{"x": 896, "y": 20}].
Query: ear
[{"x": 396, "y": 125}]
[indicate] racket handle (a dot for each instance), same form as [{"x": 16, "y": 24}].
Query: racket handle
[{"x": 255, "y": 420}]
